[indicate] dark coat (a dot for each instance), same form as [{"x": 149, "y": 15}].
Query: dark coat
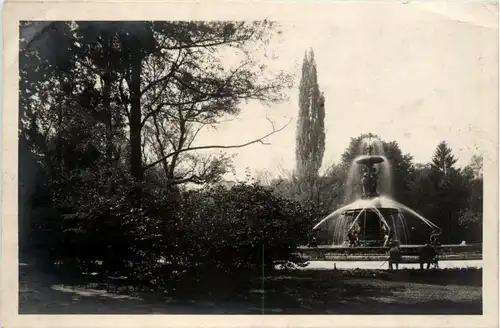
[
  {"x": 395, "y": 254},
  {"x": 427, "y": 254}
]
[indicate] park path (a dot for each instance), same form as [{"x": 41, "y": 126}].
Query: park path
[
  {"x": 328, "y": 265},
  {"x": 41, "y": 293}
]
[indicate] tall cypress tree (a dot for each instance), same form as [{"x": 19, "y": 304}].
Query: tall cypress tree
[{"x": 310, "y": 145}]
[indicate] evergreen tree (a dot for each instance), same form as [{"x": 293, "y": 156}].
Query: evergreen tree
[
  {"x": 476, "y": 166},
  {"x": 451, "y": 192},
  {"x": 310, "y": 145},
  {"x": 443, "y": 160}
]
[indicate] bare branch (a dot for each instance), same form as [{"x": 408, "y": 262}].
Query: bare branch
[
  {"x": 258, "y": 140},
  {"x": 195, "y": 134}
]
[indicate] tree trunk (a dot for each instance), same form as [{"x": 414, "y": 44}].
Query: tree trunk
[
  {"x": 108, "y": 113},
  {"x": 107, "y": 97},
  {"x": 59, "y": 146},
  {"x": 160, "y": 146},
  {"x": 136, "y": 170}
]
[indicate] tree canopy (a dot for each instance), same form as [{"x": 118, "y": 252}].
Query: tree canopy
[{"x": 137, "y": 94}]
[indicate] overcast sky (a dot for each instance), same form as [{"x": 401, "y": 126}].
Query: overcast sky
[{"x": 416, "y": 73}]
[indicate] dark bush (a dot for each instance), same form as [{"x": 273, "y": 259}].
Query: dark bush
[
  {"x": 100, "y": 226},
  {"x": 182, "y": 238},
  {"x": 244, "y": 229}
]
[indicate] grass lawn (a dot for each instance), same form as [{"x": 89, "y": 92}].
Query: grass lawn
[
  {"x": 329, "y": 292},
  {"x": 293, "y": 292}
]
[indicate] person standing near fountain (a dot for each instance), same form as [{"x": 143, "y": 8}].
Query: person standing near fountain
[
  {"x": 428, "y": 255},
  {"x": 394, "y": 255}
]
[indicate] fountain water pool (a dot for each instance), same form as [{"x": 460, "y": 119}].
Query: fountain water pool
[{"x": 374, "y": 216}]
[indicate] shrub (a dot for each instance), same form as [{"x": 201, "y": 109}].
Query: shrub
[
  {"x": 244, "y": 229},
  {"x": 186, "y": 236},
  {"x": 102, "y": 229}
]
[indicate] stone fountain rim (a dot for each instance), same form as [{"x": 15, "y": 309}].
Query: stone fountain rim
[
  {"x": 358, "y": 209},
  {"x": 365, "y": 159}
]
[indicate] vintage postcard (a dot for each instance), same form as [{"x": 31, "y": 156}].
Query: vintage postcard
[{"x": 251, "y": 163}]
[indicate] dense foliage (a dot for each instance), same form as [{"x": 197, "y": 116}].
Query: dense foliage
[{"x": 246, "y": 226}]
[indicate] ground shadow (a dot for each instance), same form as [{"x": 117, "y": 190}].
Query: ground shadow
[{"x": 291, "y": 292}]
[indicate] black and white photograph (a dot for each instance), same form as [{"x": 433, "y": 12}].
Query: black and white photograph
[{"x": 331, "y": 162}]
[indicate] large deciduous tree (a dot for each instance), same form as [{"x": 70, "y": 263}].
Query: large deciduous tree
[{"x": 143, "y": 90}]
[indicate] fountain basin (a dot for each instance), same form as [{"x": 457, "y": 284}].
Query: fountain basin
[
  {"x": 372, "y": 215},
  {"x": 369, "y": 160},
  {"x": 340, "y": 253},
  {"x": 405, "y": 249}
]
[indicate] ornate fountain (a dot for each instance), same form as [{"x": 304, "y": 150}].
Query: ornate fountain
[
  {"x": 371, "y": 218},
  {"x": 372, "y": 215}
]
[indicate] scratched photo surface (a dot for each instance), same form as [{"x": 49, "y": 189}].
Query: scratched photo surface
[{"x": 257, "y": 166}]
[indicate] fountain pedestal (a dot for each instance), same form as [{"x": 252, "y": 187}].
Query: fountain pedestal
[
  {"x": 369, "y": 182},
  {"x": 371, "y": 223}
]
